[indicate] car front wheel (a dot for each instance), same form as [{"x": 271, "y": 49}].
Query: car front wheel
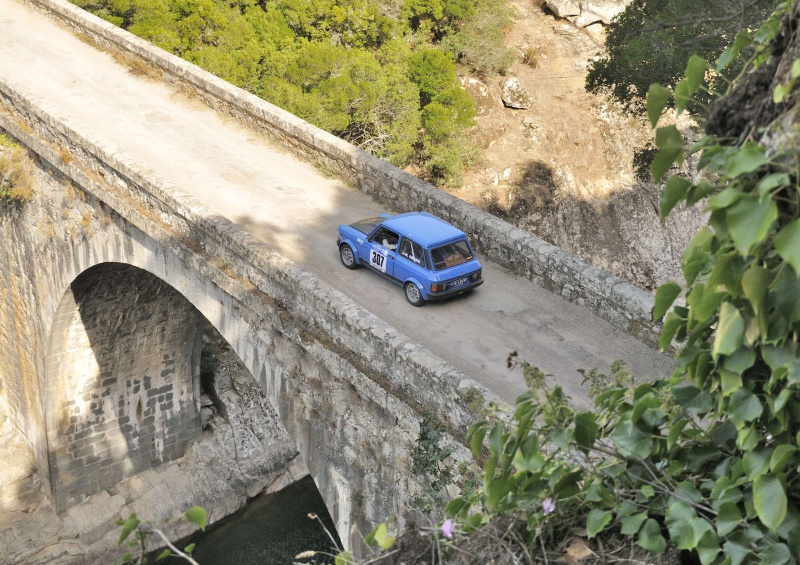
[
  {"x": 346, "y": 254},
  {"x": 413, "y": 294}
]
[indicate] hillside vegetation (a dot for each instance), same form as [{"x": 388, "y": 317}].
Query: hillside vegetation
[
  {"x": 379, "y": 74},
  {"x": 706, "y": 461}
]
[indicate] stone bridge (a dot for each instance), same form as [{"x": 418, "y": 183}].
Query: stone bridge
[
  {"x": 106, "y": 279},
  {"x": 108, "y": 275}
]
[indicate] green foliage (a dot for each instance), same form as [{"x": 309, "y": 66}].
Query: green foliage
[
  {"x": 652, "y": 41},
  {"x": 428, "y": 459},
  {"x": 346, "y": 66},
  {"x": 135, "y": 533},
  {"x": 706, "y": 460},
  {"x": 478, "y": 43}
]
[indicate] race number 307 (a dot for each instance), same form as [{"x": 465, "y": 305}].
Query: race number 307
[{"x": 378, "y": 260}]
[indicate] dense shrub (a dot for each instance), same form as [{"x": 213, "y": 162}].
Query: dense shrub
[{"x": 362, "y": 70}]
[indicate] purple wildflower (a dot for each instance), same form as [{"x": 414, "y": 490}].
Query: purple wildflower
[
  {"x": 548, "y": 506},
  {"x": 447, "y": 528}
]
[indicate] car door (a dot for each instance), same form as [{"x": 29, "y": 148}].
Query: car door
[
  {"x": 380, "y": 251},
  {"x": 410, "y": 261}
]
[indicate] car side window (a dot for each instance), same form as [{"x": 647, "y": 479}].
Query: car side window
[
  {"x": 412, "y": 251},
  {"x": 385, "y": 237}
]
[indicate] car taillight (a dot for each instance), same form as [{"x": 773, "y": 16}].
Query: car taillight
[
  {"x": 438, "y": 287},
  {"x": 475, "y": 276}
]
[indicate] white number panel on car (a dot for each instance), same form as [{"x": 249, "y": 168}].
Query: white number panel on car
[{"x": 377, "y": 258}]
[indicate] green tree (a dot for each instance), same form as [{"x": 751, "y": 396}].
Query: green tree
[
  {"x": 433, "y": 71},
  {"x": 347, "y": 66},
  {"x": 652, "y": 40},
  {"x": 478, "y": 44}
]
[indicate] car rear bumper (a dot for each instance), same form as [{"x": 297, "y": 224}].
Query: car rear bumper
[{"x": 455, "y": 291}]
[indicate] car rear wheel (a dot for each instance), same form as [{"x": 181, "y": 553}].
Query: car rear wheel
[
  {"x": 346, "y": 254},
  {"x": 413, "y": 294}
]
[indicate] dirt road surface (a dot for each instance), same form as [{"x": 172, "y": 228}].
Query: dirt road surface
[{"x": 295, "y": 210}]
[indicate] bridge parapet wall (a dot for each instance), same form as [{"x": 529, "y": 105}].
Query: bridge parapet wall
[{"x": 624, "y": 305}]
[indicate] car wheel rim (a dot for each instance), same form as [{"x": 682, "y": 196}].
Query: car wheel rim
[
  {"x": 347, "y": 256},
  {"x": 412, "y": 292}
]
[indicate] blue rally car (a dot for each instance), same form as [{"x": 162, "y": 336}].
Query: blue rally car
[{"x": 430, "y": 258}]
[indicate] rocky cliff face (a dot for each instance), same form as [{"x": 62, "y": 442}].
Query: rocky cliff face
[{"x": 561, "y": 164}]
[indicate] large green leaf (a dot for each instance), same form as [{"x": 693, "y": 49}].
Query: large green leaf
[
  {"x": 770, "y": 182},
  {"x": 196, "y": 515},
  {"x": 743, "y": 39},
  {"x": 776, "y": 554},
  {"x": 632, "y": 524},
  {"x": 665, "y": 296},
  {"x": 755, "y": 282},
  {"x": 730, "y": 331},
  {"x": 670, "y": 142},
  {"x": 650, "y": 537},
  {"x": 708, "y": 546},
  {"x": 744, "y": 406},
  {"x": 728, "y": 518},
  {"x": 128, "y": 526},
  {"x": 695, "y": 72},
  {"x": 778, "y": 356},
  {"x": 736, "y": 552},
  {"x": 672, "y": 323},
  {"x": 632, "y": 441},
  {"x": 696, "y": 253},
  {"x": 699, "y": 191},
  {"x": 657, "y": 98},
  {"x": 749, "y": 221},
  {"x": 586, "y": 430},
  {"x": 781, "y": 457},
  {"x": 756, "y": 462},
  {"x": 787, "y": 244},
  {"x": 769, "y": 498},
  {"x": 596, "y": 521},
  {"x": 683, "y": 95},
  {"x": 749, "y": 158},
  {"x": 674, "y": 191},
  {"x": 784, "y": 290},
  {"x": 684, "y": 529},
  {"x": 730, "y": 381}
]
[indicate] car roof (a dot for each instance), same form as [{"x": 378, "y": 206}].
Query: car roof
[{"x": 423, "y": 228}]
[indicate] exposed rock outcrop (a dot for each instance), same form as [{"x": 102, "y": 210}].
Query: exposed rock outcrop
[{"x": 584, "y": 13}]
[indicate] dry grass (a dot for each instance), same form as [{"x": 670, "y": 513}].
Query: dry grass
[
  {"x": 531, "y": 57},
  {"x": 65, "y": 155},
  {"x": 137, "y": 66},
  {"x": 16, "y": 172}
]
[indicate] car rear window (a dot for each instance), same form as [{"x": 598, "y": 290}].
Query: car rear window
[
  {"x": 366, "y": 226},
  {"x": 413, "y": 252},
  {"x": 450, "y": 255}
]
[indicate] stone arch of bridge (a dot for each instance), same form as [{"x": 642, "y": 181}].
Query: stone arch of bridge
[{"x": 121, "y": 379}]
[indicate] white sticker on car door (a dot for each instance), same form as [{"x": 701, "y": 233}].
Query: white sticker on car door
[{"x": 377, "y": 258}]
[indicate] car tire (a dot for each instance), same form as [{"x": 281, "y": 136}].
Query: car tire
[
  {"x": 347, "y": 256},
  {"x": 413, "y": 294}
]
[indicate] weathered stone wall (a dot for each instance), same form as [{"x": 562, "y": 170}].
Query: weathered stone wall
[
  {"x": 122, "y": 384},
  {"x": 350, "y": 389},
  {"x": 613, "y": 299}
]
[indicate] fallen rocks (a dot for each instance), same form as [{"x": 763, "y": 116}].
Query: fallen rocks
[{"x": 513, "y": 95}]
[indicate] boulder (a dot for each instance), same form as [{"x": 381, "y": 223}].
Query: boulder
[
  {"x": 513, "y": 95},
  {"x": 564, "y": 8},
  {"x": 601, "y": 11},
  {"x": 583, "y": 13}
]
